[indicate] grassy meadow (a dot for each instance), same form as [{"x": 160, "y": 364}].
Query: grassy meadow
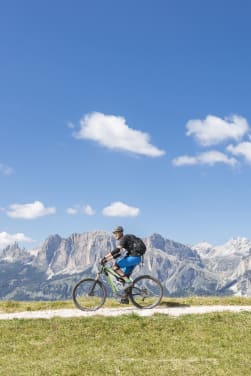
[{"x": 211, "y": 344}]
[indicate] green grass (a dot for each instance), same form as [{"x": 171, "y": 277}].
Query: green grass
[
  {"x": 207, "y": 300},
  {"x": 15, "y": 306},
  {"x": 216, "y": 344}
]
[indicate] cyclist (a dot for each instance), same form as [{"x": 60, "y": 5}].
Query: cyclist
[{"x": 124, "y": 266}]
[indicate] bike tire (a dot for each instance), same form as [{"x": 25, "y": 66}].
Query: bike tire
[
  {"x": 89, "y": 294},
  {"x": 146, "y": 292}
]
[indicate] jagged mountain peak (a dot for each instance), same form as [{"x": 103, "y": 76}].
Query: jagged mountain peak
[
  {"x": 239, "y": 246},
  {"x": 11, "y": 246},
  {"x": 14, "y": 253},
  {"x": 202, "y": 248},
  {"x": 52, "y": 239},
  {"x": 156, "y": 241},
  {"x": 235, "y": 246},
  {"x": 239, "y": 242}
]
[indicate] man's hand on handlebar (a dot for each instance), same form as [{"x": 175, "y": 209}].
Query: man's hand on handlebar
[{"x": 103, "y": 261}]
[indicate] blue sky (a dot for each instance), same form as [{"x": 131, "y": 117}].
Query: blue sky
[{"x": 131, "y": 113}]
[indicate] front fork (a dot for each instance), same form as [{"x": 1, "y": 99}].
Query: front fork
[{"x": 91, "y": 293}]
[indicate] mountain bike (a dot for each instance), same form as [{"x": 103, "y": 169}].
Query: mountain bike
[{"x": 89, "y": 294}]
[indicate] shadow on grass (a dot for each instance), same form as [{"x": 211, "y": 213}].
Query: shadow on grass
[{"x": 172, "y": 304}]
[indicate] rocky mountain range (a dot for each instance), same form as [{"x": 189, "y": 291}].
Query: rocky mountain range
[{"x": 50, "y": 271}]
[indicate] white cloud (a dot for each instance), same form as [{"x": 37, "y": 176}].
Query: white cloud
[
  {"x": 70, "y": 125},
  {"x": 113, "y": 132},
  {"x": 71, "y": 211},
  {"x": 88, "y": 210},
  {"x": 6, "y": 170},
  {"x": 7, "y": 239},
  {"x": 214, "y": 130},
  {"x": 209, "y": 158},
  {"x": 30, "y": 211},
  {"x": 119, "y": 209},
  {"x": 243, "y": 149}
]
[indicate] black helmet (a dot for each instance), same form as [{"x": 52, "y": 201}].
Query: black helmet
[{"x": 118, "y": 229}]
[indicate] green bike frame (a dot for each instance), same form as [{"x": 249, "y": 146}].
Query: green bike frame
[{"x": 110, "y": 273}]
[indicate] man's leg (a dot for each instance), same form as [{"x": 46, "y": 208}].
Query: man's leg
[
  {"x": 124, "y": 267},
  {"x": 124, "y": 298},
  {"x": 127, "y": 264},
  {"x": 120, "y": 271}
]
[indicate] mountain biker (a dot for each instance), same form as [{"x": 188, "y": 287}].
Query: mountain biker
[{"x": 134, "y": 247}]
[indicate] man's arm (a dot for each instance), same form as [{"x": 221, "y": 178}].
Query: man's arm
[{"x": 115, "y": 253}]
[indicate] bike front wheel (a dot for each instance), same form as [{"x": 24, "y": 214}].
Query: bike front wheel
[
  {"x": 146, "y": 292},
  {"x": 89, "y": 294}
]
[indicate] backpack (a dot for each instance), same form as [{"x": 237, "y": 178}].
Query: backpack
[{"x": 136, "y": 246}]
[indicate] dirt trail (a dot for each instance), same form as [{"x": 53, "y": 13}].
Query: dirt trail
[{"x": 172, "y": 311}]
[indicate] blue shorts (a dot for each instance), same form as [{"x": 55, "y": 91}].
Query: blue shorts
[{"x": 128, "y": 263}]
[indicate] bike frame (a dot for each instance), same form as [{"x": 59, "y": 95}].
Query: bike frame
[{"x": 109, "y": 272}]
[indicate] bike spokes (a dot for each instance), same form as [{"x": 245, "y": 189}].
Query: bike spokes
[
  {"x": 89, "y": 294},
  {"x": 146, "y": 292}
]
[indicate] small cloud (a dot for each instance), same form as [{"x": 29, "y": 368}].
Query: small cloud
[
  {"x": 88, "y": 210},
  {"x": 243, "y": 149},
  {"x": 214, "y": 130},
  {"x": 71, "y": 211},
  {"x": 7, "y": 239},
  {"x": 71, "y": 125},
  {"x": 113, "y": 133},
  {"x": 209, "y": 158},
  {"x": 119, "y": 209},
  {"x": 6, "y": 170},
  {"x": 30, "y": 211}
]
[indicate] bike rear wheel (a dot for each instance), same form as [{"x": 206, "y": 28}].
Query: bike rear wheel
[
  {"x": 89, "y": 294},
  {"x": 146, "y": 292}
]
